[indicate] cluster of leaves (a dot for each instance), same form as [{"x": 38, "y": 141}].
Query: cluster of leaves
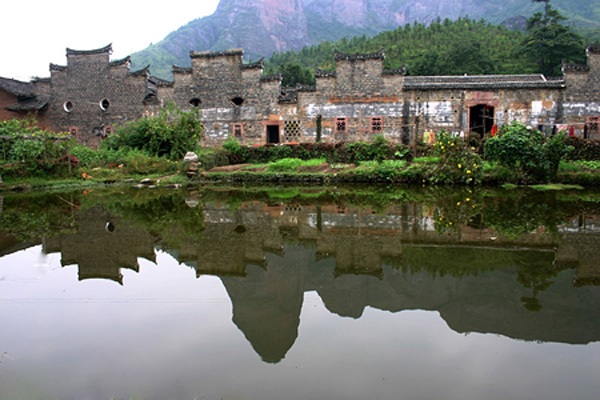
[
  {"x": 549, "y": 41},
  {"x": 583, "y": 149},
  {"x": 341, "y": 152},
  {"x": 170, "y": 134},
  {"x": 535, "y": 156},
  {"x": 458, "y": 163},
  {"x": 28, "y": 150}
]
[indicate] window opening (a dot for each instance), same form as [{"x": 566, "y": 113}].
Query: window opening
[
  {"x": 68, "y": 106},
  {"x": 104, "y": 104},
  {"x": 341, "y": 124},
  {"x": 377, "y": 124},
  {"x": 238, "y": 130},
  {"x": 73, "y": 130},
  {"x": 238, "y": 101},
  {"x": 195, "y": 102}
]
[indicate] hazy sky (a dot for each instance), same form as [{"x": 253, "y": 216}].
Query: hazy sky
[{"x": 35, "y": 33}]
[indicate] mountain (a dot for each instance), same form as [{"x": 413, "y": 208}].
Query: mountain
[{"x": 262, "y": 27}]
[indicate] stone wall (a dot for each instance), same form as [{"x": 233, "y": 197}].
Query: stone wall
[
  {"x": 357, "y": 101},
  {"x": 92, "y": 94}
]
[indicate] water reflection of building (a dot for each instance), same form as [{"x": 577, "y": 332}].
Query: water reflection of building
[
  {"x": 268, "y": 256},
  {"x": 102, "y": 246}
]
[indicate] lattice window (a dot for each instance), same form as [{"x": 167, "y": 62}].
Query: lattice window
[
  {"x": 292, "y": 129},
  {"x": 377, "y": 124},
  {"x": 237, "y": 130},
  {"x": 341, "y": 125}
]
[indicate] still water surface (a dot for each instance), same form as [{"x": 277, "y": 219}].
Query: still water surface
[{"x": 292, "y": 294}]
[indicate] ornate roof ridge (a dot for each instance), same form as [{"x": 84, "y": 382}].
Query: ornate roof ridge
[
  {"x": 120, "y": 62},
  {"x": 321, "y": 73},
  {"x": 395, "y": 71},
  {"x": 271, "y": 78},
  {"x": 181, "y": 70},
  {"x": 160, "y": 82},
  {"x": 570, "y": 67},
  {"x": 260, "y": 64},
  {"x": 105, "y": 49},
  {"x": 213, "y": 54},
  {"x": 593, "y": 48},
  {"x": 339, "y": 56},
  {"x": 56, "y": 67},
  {"x": 141, "y": 72}
]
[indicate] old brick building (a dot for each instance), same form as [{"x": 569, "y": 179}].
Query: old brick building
[
  {"x": 91, "y": 94},
  {"x": 357, "y": 101}
]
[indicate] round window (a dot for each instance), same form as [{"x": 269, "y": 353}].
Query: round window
[
  {"x": 104, "y": 104},
  {"x": 68, "y": 106}
]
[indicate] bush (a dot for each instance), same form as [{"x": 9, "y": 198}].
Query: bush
[
  {"x": 171, "y": 134},
  {"x": 535, "y": 156},
  {"x": 457, "y": 162},
  {"x": 28, "y": 150}
]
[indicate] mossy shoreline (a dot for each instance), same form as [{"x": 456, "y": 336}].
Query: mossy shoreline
[{"x": 568, "y": 180}]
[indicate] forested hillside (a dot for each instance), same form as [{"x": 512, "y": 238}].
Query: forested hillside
[
  {"x": 261, "y": 27},
  {"x": 464, "y": 46}
]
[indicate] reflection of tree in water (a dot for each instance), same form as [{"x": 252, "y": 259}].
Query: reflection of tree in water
[
  {"x": 537, "y": 275},
  {"x": 521, "y": 213}
]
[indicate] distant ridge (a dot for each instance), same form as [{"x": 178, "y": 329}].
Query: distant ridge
[{"x": 262, "y": 27}]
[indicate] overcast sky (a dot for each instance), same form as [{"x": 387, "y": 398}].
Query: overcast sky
[{"x": 35, "y": 33}]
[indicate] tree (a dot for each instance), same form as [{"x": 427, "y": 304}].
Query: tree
[{"x": 549, "y": 42}]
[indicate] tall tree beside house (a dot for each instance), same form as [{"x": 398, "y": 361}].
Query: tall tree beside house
[{"x": 549, "y": 41}]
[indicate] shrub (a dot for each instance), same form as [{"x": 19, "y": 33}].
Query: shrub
[
  {"x": 171, "y": 133},
  {"x": 28, "y": 150},
  {"x": 457, "y": 162},
  {"x": 535, "y": 156}
]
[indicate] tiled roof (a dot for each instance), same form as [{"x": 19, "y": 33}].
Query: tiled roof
[
  {"x": 181, "y": 70},
  {"x": 594, "y": 48},
  {"x": 321, "y": 73},
  {"x": 160, "y": 82},
  {"x": 380, "y": 55},
  {"x": 569, "y": 67},
  {"x": 120, "y": 62},
  {"x": 271, "y": 78},
  {"x": 141, "y": 72},
  {"x": 396, "y": 71},
  {"x": 17, "y": 88},
  {"x": 260, "y": 64},
  {"x": 56, "y": 67},
  {"x": 211, "y": 54},
  {"x": 105, "y": 49},
  {"x": 478, "y": 82},
  {"x": 31, "y": 104}
]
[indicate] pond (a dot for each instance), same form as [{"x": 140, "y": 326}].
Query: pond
[{"x": 300, "y": 293}]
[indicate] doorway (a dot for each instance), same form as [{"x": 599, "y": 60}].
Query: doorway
[
  {"x": 481, "y": 119},
  {"x": 273, "y": 134}
]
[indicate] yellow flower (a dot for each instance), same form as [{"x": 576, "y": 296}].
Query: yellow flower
[
  {"x": 458, "y": 204},
  {"x": 468, "y": 199},
  {"x": 459, "y": 165},
  {"x": 468, "y": 171}
]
